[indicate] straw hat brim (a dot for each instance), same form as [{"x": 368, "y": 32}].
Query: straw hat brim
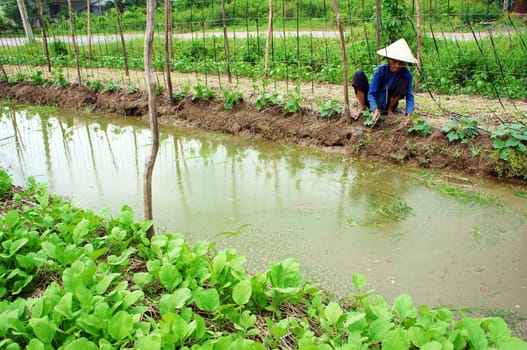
[{"x": 399, "y": 51}]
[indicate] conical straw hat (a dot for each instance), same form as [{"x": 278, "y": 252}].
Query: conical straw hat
[{"x": 399, "y": 51}]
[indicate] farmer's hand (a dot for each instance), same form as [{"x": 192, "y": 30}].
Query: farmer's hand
[
  {"x": 408, "y": 119},
  {"x": 375, "y": 116}
]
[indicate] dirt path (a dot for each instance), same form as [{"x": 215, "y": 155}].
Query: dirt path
[{"x": 388, "y": 141}]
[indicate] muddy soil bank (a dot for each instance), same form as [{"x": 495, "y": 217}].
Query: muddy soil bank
[{"x": 388, "y": 141}]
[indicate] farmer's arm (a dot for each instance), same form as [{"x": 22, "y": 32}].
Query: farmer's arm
[{"x": 410, "y": 103}]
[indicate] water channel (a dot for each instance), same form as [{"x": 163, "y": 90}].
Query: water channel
[{"x": 402, "y": 228}]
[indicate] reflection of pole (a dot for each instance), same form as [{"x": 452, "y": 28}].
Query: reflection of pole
[
  {"x": 340, "y": 212},
  {"x": 94, "y": 163},
  {"x": 47, "y": 148},
  {"x": 19, "y": 144},
  {"x": 114, "y": 162},
  {"x": 179, "y": 158},
  {"x": 64, "y": 142}
]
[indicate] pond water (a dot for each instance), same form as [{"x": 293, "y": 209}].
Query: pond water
[{"x": 445, "y": 239}]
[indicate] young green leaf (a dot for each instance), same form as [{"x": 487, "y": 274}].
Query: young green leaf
[
  {"x": 207, "y": 299},
  {"x": 333, "y": 313},
  {"x": 170, "y": 277},
  {"x": 404, "y": 308},
  {"x": 81, "y": 343},
  {"x": 121, "y": 325},
  {"x": 359, "y": 281},
  {"x": 242, "y": 292},
  {"x": 80, "y": 230},
  {"x": 43, "y": 328}
]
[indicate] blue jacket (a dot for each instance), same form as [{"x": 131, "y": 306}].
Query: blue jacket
[{"x": 382, "y": 80}]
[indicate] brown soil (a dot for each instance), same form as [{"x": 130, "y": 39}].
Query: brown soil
[{"x": 388, "y": 141}]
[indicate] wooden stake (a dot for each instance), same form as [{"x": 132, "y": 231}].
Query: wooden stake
[
  {"x": 152, "y": 115},
  {"x": 72, "y": 30},
  {"x": 269, "y": 34},
  {"x": 344, "y": 62},
  {"x": 168, "y": 48},
  {"x": 125, "y": 56},
  {"x": 226, "y": 42},
  {"x": 43, "y": 30},
  {"x": 88, "y": 14},
  {"x": 419, "y": 45}
]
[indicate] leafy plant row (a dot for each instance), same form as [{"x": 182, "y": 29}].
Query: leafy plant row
[
  {"x": 71, "y": 278},
  {"x": 491, "y": 67},
  {"x": 509, "y": 140}
]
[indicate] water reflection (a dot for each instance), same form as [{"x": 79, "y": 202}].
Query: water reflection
[{"x": 336, "y": 216}]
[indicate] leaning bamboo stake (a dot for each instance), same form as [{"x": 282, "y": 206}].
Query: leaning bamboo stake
[
  {"x": 269, "y": 34},
  {"x": 378, "y": 28},
  {"x": 347, "y": 114},
  {"x": 419, "y": 45},
  {"x": 44, "y": 36},
  {"x": 226, "y": 42},
  {"x": 3, "y": 72},
  {"x": 125, "y": 56},
  {"x": 152, "y": 114},
  {"x": 88, "y": 18},
  {"x": 72, "y": 30},
  {"x": 168, "y": 48},
  {"x": 25, "y": 20}
]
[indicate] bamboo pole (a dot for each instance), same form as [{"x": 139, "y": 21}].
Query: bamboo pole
[
  {"x": 88, "y": 14},
  {"x": 152, "y": 115},
  {"x": 25, "y": 20},
  {"x": 44, "y": 36},
  {"x": 168, "y": 48},
  {"x": 3, "y": 71},
  {"x": 72, "y": 30},
  {"x": 419, "y": 45},
  {"x": 269, "y": 34},
  {"x": 378, "y": 28},
  {"x": 125, "y": 56},
  {"x": 347, "y": 114},
  {"x": 226, "y": 42}
]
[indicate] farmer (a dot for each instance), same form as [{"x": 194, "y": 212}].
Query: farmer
[{"x": 391, "y": 82}]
